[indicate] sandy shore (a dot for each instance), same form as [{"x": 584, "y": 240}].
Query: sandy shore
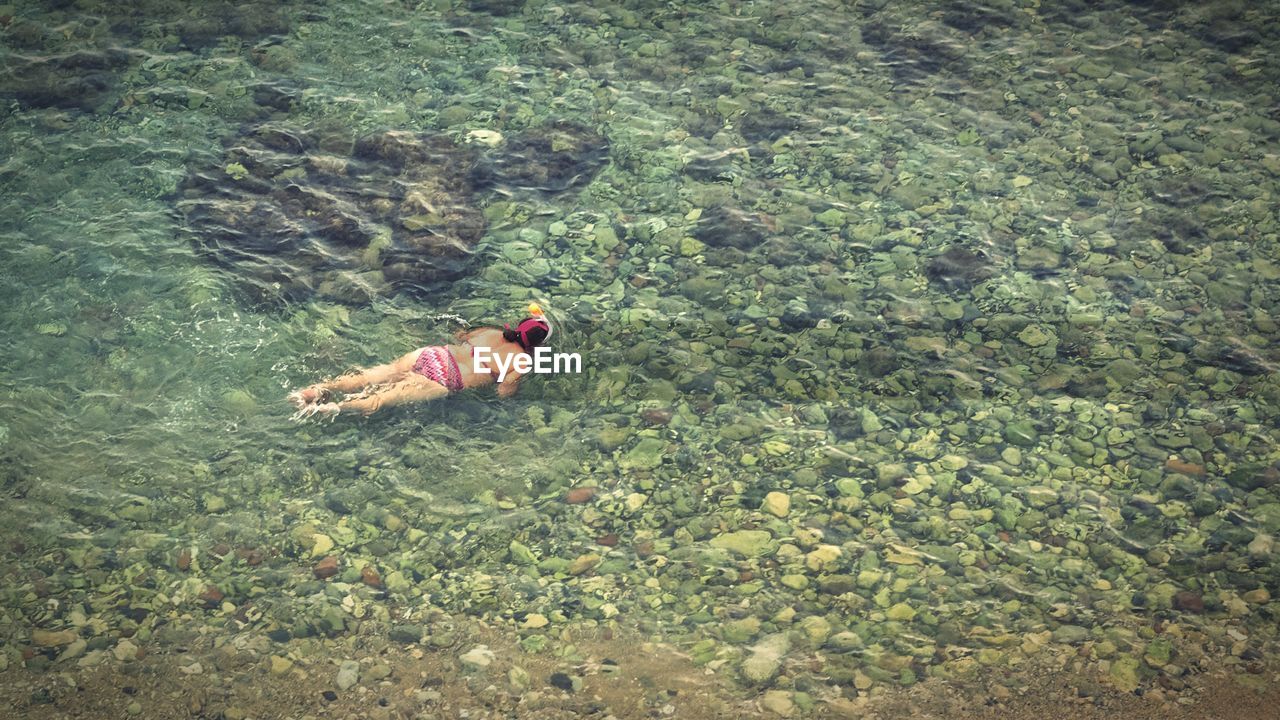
[{"x": 486, "y": 675}]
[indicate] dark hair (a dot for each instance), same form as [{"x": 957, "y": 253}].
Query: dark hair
[{"x": 536, "y": 336}]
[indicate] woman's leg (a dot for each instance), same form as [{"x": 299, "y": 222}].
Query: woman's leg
[
  {"x": 414, "y": 388},
  {"x": 351, "y": 382}
]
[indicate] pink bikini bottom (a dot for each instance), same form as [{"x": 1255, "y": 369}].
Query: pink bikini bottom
[{"x": 437, "y": 363}]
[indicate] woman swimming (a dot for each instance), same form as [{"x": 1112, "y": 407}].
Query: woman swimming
[{"x": 431, "y": 372}]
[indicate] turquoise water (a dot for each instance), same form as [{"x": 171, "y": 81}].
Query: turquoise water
[{"x": 920, "y": 340}]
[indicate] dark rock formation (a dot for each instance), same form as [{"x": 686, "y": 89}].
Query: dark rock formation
[
  {"x": 73, "y": 81},
  {"x": 556, "y": 158},
  {"x": 959, "y": 268},
  {"x": 42, "y": 76},
  {"x": 299, "y": 213},
  {"x": 914, "y": 58},
  {"x": 730, "y": 227},
  {"x": 397, "y": 213}
]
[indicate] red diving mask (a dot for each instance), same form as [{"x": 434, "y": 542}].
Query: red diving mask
[{"x": 530, "y": 333}]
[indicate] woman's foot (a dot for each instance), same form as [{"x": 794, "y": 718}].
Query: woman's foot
[
  {"x": 329, "y": 409},
  {"x": 306, "y": 396}
]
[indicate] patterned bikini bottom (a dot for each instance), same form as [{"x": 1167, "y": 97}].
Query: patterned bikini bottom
[{"x": 437, "y": 363}]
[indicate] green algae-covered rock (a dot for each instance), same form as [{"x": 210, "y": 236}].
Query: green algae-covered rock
[
  {"x": 1124, "y": 673},
  {"x": 831, "y": 218},
  {"x": 1159, "y": 652},
  {"x": 740, "y": 631},
  {"x": 765, "y": 659},
  {"x": 1036, "y": 336},
  {"x": 1021, "y": 433},
  {"x": 777, "y": 504},
  {"x": 901, "y": 612},
  {"x": 748, "y": 543},
  {"x": 646, "y": 455},
  {"x": 520, "y": 554}
]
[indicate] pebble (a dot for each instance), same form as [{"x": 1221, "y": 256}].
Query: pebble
[
  {"x": 568, "y": 683},
  {"x": 584, "y": 563},
  {"x": 280, "y": 665},
  {"x": 1094, "y": 70},
  {"x": 370, "y": 577},
  {"x": 488, "y": 138},
  {"x": 777, "y": 504},
  {"x": 795, "y": 581},
  {"x": 901, "y": 612},
  {"x": 635, "y": 501},
  {"x": 1124, "y": 673},
  {"x": 78, "y": 646},
  {"x": 1035, "y": 336},
  {"x": 1188, "y": 601},
  {"x": 765, "y": 659},
  {"x": 533, "y": 621},
  {"x": 657, "y": 416},
  {"x": 1174, "y": 464},
  {"x": 125, "y": 650},
  {"x": 1259, "y": 596},
  {"x": 320, "y": 544},
  {"x": 210, "y": 597},
  {"x": 52, "y": 638},
  {"x": 579, "y": 495},
  {"x": 748, "y": 543},
  {"x": 326, "y": 568},
  {"x": 348, "y": 674},
  {"x": 822, "y": 557},
  {"x": 778, "y": 702},
  {"x": 477, "y": 658}
]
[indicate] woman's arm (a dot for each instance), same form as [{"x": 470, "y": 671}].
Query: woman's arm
[{"x": 509, "y": 385}]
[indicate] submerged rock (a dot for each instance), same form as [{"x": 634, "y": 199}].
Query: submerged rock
[
  {"x": 748, "y": 543},
  {"x": 1188, "y": 601},
  {"x": 723, "y": 226},
  {"x": 400, "y": 212},
  {"x": 80, "y": 80},
  {"x": 477, "y": 658},
  {"x": 914, "y": 57},
  {"x": 294, "y": 221},
  {"x": 974, "y": 17},
  {"x": 52, "y": 638},
  {"x": 959, "y": 268},
  {"x": 348, "y": 675},
  {"x": 499, "y": 8},
  {"x": 555, "y": 158},
  {"x": 766, "y": 659},
  {"x": 85, "y": 79}
]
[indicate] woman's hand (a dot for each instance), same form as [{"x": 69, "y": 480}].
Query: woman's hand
[{"x": 509, "y": 386}]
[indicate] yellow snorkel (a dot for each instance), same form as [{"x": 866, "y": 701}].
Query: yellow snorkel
[{"x": 535, "y": 310}]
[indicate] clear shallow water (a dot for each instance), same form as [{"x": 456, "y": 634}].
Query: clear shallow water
[{"x": 986, "y": 292}]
